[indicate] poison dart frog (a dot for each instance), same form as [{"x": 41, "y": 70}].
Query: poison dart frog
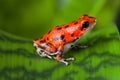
[{"x": 61, "y": 38}]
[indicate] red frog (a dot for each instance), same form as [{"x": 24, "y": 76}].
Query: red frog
[{"x": 62, "y": 38}]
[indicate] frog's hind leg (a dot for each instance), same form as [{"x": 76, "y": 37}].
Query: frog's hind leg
[
  {"x": 63, "y": 60},
  {"x": 42, "y": 52},
  {"x": 69, "y": 59}
]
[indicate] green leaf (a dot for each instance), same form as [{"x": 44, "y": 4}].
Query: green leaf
[{"x": 99, "y": 61}]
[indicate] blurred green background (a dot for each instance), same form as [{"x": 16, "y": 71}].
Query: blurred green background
[
  {"x": 31, "y": 19},
  {"x": 22, "y": 21}
]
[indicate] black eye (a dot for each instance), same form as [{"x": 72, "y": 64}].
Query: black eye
[{"x": 85, "y": 25}]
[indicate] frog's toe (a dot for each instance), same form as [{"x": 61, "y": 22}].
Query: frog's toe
[
  {"x": 70, "y": 59},
  {"x": 63, "y": 61},
  {"x": 79, "y": 46}
]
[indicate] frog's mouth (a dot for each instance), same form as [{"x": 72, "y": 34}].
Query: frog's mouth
[{"x": 92, "y": 26}]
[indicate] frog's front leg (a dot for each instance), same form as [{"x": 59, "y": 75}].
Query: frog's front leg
[{"x": 78, "y": 46}]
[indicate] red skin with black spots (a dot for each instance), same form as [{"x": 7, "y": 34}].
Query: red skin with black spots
[{"x": 54, "y": 41}]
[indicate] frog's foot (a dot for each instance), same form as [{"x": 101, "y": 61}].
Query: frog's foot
[
  {"x": 78, "y": 46},
  {"x": 70, "y": 59},
  {"x": 43, "y": 53},
  {"x": 53, "y": 54},
  {"x": 65, "y": 61},
  {"x": 48, "y": 56}
]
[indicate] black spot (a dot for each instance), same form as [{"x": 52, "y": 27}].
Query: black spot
[
  {"x": 47, "y": 38},
  {"x": 72, "y": 45},
  {"x": 66, "y": 26},
  {"x": 62, "y": 37},
  {"x": 59, "y": 28},
  {"x": 39, "y": 47},
  {"x": 76, "y": 22},
  {"x": 72, "y": 35},
  {"x": 64, "y": 41},
  {"x": 75, "y": 39},
  {"x": 85, "y": 25},
  {"x": 42, "y": 41},
  {"x": 49, "y": 43},
  {"x": 59, "y": 38},
  {"x": 41, "y": 50}
]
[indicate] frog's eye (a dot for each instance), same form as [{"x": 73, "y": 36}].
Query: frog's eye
[{"x": 85, "y": 25}]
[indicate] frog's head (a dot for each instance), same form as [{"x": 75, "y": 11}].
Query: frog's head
[{"x": 87, "y": 22}]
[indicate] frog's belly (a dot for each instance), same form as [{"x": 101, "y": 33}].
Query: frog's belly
[{"x": 69, "y": 46}]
